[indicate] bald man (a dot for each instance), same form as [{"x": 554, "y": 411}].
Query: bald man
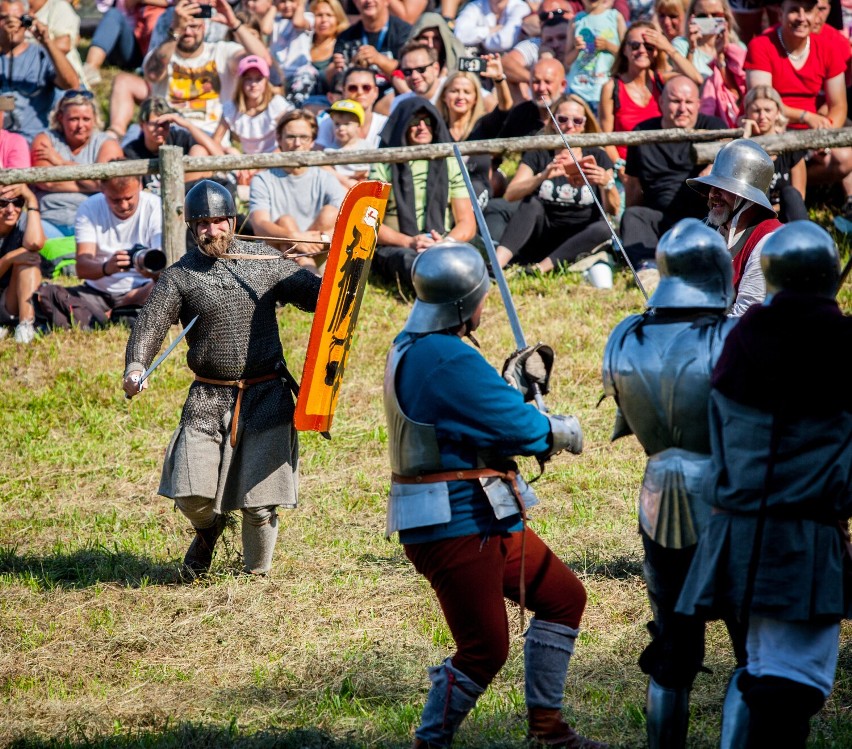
[
  {"x": 547, "y": 82},
  {"x": 657, "y": 196}
]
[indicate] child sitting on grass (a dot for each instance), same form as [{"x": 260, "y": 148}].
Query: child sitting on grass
[{"x": 347, "y": 117}]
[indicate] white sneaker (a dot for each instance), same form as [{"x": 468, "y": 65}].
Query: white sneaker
[
  {"x": 25, "y": 332},
  {"x": 4, "y": 332}
]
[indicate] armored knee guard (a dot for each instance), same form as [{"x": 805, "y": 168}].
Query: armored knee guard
[
  {"x": 451, "y": 697},
  {"x": 667, "y": 716},
  {"x": 260, "y": 531},
  {"x": 780, "y": 711}
]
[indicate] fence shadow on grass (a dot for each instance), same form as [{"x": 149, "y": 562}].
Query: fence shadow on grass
[
  {"x": 85, "y": 567},
  {"x": 623, "y": 567},
  {"x": 195, "y": 736}
]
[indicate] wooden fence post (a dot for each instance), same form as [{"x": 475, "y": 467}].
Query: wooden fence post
[{"x": 172, "y": 193}]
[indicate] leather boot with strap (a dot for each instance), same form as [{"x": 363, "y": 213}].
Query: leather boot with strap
[
  {"x": 199, "y": 556},
  {"x": 547, "y": 728}
]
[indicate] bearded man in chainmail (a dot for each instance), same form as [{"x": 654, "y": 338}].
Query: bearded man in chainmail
[{"x": 235, "y": 447}]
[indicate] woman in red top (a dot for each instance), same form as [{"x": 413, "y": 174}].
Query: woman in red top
[
  {"x": 640, "y": 71},
  {"x": 802, "y": 67}
]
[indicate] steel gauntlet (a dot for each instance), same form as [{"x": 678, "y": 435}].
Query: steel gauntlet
[{"x": 566, "y": 434}]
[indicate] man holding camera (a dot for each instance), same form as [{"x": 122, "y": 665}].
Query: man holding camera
[
  {"x": 30, "y": 72},
  {"x": 109, "y": 227},
  {"x": 196, "y": 76}
]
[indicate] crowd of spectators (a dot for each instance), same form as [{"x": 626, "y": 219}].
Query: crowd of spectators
[{"x": 255, "y": 76}]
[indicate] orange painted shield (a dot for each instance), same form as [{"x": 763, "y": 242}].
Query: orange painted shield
[{"x": 352, "y": 246}]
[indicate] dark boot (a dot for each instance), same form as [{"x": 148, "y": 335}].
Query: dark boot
[
  {"x": 780, "y": 711},
  {"x": 547, "y": 728},
  {"x": 199, "y": 556}
]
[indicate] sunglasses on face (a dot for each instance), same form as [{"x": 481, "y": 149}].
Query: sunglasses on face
[
  {"x": 17, "y": 202},
  {"x": 709, "y": 15},
  {"x": 408, "y": 72},
  {"x": 564, "y": 119},
  {"x": 355, "y": 88},
  {"x": 418, "y": 121},
  {"x": 635, "y": 46}
]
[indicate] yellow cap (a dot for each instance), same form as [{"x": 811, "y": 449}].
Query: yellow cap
[{"x": 350, "y": 106}]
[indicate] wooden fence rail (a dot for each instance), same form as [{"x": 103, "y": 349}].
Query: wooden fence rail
[{"x": 172, "y": 165}]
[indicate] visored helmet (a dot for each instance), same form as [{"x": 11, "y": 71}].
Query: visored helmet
[
  {"x": 695, "y": 269},
  {"x": 743, "y": 168},
  {"x": 208, "y": 199},
  {"x": 801, "y": 256},
  {"x": 450, "y": 280}
]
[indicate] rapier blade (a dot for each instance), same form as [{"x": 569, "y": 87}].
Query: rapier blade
[{"x": 159, "y": 360}]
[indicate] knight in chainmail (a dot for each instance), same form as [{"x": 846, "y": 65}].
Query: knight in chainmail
[
  {"x": 657, "y": 366},
  {"x": 235, "y": 447}
]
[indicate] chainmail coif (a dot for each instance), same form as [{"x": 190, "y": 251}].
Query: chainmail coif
[{"x": 236, "y": 335}]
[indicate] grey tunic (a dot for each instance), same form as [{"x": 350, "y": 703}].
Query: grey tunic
[
  {"x": 803, "y": 574},
  {"x": 236, "y": 337}
]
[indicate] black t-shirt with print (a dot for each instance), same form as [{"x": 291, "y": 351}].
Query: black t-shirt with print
[
  {"x": 784, "y": 162},
  {"x": 574, "y": 205}
]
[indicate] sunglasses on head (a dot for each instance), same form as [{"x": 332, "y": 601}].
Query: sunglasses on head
[
  {"x": 638, "y": 45},
  {"x": 564, "y": 119},
  {"x": 77, "y": 92},
  {"x": 17, "y": 202},
  {"x": 557, "y": 14},
  {"x": 354, "y": 88},
  {"x": 408, "y": 72}
]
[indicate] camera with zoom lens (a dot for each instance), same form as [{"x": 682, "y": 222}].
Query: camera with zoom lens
[
  {"x": 146, "y": 259},
  {"x": 26, "y": 21}
]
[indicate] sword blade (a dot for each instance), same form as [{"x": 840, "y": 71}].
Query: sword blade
[
  {"x": 159, "y": 360},
  {"x": 505, "y": 294},
  {"x": 615, "y": 240}
]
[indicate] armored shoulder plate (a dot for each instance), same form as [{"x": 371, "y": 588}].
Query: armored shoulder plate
[{"x": 659, "y": 372}]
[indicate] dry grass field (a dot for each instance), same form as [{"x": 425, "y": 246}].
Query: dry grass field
[{"x": 101, "y": 646}]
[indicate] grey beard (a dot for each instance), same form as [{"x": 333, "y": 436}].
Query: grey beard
[
  {"x": 215, "y": 246},
  {"x": 719, "y": 216}
]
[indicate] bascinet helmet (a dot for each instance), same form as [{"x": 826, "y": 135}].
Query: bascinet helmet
[
  {"x": 743, "y": 168},
  {"x": 208, "y": 199},
  {"x": 695, "y": 269},
  {"x": 801, "y": 256},
  {"x": 450, "y": 279}
]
